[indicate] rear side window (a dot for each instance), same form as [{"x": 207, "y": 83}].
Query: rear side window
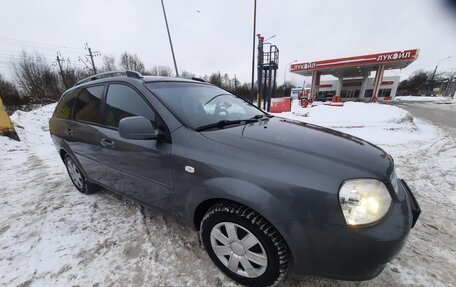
[
  {"x": 87, "y": 106},
  {"x": 121, "y": 102},
  {"x": 63, "y": 109}
]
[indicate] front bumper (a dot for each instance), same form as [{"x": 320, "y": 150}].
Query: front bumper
[
  {"x": 351, "y": 253},
  {"x": 414, "y": 206}
]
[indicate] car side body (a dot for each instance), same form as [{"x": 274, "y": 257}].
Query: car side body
[{"x": 287, "y": 171}]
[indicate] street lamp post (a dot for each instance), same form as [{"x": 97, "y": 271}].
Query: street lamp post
[
  {"x": 435, "y": 70},
  {"x": 253, "y": 50},
  {"x": 169, "y": 37},
  {"x": 273, "y": 36},
  {"x": 285, "y": 75}
]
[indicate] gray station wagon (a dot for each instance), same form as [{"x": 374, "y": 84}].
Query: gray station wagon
[{"x": 267, "y": 194}]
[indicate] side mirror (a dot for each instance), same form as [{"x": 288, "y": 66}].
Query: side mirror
[{"x": 137, "y": 128}]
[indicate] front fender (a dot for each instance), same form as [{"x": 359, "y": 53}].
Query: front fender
[{"x": 241, "y": 191}]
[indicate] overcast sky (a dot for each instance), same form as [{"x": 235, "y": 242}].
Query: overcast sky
[{"x": 216, "y": 35}]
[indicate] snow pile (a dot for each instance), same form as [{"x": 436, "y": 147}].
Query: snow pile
[
  {"x": 33, "y": 126},
  {"x": 352, "y": 114},
  {"x": 374, "y": 122},
  {"x": 420, "y": 99},
  {"x": 447, "y": 100}
]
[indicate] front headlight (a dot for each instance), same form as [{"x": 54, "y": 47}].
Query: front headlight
[{"x": 364, "y": 201}]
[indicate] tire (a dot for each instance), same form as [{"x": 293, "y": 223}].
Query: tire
[
  {"x": 261, "y": 260},
  {"x": 78, "y": 177}
]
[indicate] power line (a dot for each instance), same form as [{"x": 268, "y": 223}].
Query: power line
[
  {"x": 43, "y": 51},
  {"x": 19, "y": 53},
  {"x": 40, "y": 43},
  {"x": 17, "y": 60}
]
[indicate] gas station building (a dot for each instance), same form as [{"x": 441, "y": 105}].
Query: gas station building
[{"x": 353, "y": 74}]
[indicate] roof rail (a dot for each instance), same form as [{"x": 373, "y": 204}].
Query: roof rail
[
  {"x": 198, "y": 79},
  {"x": 128, "y": 73}
]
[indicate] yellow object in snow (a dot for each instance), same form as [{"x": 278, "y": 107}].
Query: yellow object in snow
[{"x": 6, "y": 126}]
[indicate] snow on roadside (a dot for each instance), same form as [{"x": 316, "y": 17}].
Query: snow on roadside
[
  {"x": 422, "y": 99},
  {"x": 32, "y": 127},
  {"x": 33, "y": 130},
  {"x": 380, "y": 124}
]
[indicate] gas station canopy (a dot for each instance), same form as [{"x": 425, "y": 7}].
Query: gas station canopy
[{"x": 355, "y": 67}]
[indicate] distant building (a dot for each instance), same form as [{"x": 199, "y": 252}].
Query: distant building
[{"x": 351, "y": 88}]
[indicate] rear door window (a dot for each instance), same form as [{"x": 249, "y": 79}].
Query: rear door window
[
  {"x": 63, "y": 109},
  {"x": 87, "y": 106},
  {"x": 121, "y": 102}
]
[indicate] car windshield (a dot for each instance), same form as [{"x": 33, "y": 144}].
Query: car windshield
[{"x": 200, "y": 105}]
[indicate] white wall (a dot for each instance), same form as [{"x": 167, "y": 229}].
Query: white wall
[{"x": 370, "y": 84}]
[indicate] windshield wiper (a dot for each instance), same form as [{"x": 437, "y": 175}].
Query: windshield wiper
[
  {"x": 223, "y": 123},
  {"x": 260, "y": 116},
  {"x": 214, "y": 97}
]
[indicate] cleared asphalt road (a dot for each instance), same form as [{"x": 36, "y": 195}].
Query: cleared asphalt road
[{"x": 441, "y": 115}]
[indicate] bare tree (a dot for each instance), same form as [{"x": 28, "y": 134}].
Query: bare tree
[
  {"x": 131, "y": 62},
  {"x": 416, "y": 84},
  {"x": 227, "y": 82},
  {"x": 73, "y": 74},
  {"x": 216, "y": 79},
  {"x": 109, "y": 63},
  {"x": 36, "y": 80},
  {"x": 163, "y": 71},
  {"x": 9, "y": 93},
  {"x": 186, "y": 74}
]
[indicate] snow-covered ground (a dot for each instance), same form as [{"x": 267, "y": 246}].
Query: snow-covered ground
[
  {"x": 437, "y": 99},
  {"x": 380, "y": 124},
  {"x": 51, "y": 235}
]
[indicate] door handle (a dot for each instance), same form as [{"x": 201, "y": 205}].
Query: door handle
[
  {"x": 69, "y": 132},
  {"x": 107, "y": 143}
]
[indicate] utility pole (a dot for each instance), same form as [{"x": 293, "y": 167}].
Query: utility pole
[
  {"x": 61, "y": 69},
  {"x": 91, "y": 55},
  {"x": 448, "y": 87},
  {"x": 169, "y": 37},
  {"x": 252, "y": 88},
  {"x": 435, "y": 70}
]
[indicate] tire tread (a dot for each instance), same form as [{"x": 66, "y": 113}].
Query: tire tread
[
  {"x": 88, "y": 187},
  {"x": 264, "y": 225}
]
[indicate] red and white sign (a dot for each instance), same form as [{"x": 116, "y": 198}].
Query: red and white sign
[
  {"x": 326, "y": 85},
  {"x": 280, "y": 105},
  {"x": 407, "y": 55}
]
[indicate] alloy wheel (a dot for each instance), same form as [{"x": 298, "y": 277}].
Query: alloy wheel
[
  {"x": 238, "y": 249},
  {"x": 75, "y": 174}
]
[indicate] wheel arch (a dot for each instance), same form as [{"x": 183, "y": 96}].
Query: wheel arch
[
  {"x": 239, "y": 191},
  {"x": 202, "y": 209},
  {"x": 63, "y": 153}
]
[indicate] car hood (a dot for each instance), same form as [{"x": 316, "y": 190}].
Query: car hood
[{"x": 310, "y": 146}]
